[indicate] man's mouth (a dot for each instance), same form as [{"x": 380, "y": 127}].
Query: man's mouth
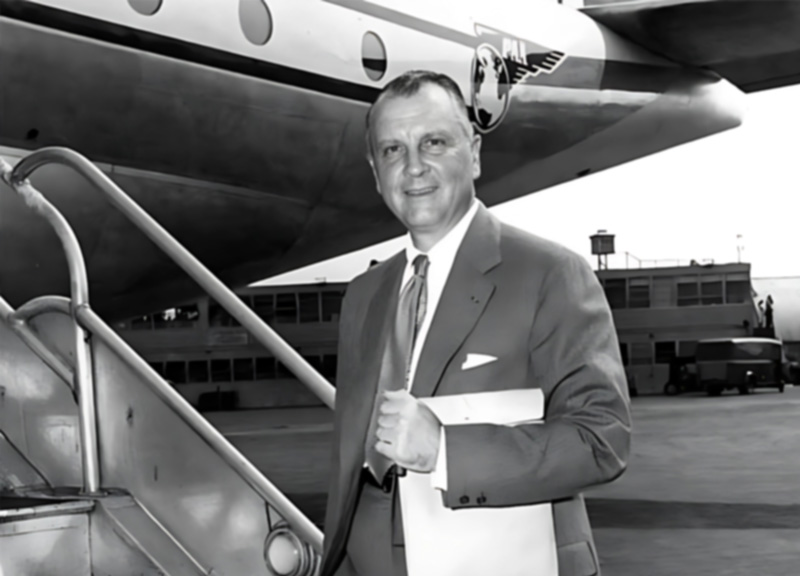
[{"x": 420, "y": 191}]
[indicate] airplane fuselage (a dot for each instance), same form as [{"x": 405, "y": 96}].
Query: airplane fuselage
[{"x": 252, "y": 154}]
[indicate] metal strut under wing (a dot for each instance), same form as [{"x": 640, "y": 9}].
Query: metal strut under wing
[{"x": 755, "y": 44}]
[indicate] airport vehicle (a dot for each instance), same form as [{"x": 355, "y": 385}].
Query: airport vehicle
[
  {"x": 739, "y": 363},
  {"x": 238, "y": 126},
  {"x": 791, "y": 369}
]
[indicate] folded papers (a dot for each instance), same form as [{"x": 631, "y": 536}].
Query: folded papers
[{"x": 509, "y": 541}]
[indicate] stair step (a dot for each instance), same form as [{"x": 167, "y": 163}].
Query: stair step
[
  {"x": 142, "y": 530},
  {"x": 13, "y": 508},
  {"x": 53, "y": 543}
]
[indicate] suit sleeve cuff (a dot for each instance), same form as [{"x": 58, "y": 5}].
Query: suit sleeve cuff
[{"x": 439, "y": 473}]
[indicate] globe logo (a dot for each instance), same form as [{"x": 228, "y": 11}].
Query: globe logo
[{"x": 490, "y": 87}]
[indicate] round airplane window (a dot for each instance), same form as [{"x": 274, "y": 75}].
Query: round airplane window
[
  {"x": 373, "y": 56},
  {"x": 146, "y": 7},
  {"x": 256, "y": 21}
]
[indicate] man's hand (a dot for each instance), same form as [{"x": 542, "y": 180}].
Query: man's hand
[{"x": 408, "y": 432}]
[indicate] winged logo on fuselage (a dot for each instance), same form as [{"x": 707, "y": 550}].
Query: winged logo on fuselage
[{"x": 500, "y": 63}]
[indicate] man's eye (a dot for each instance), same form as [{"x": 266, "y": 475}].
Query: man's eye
[
  {"x": 435, "y": 142},
  {"x": 391, "y": 150}
]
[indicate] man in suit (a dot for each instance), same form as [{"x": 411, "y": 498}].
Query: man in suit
[{"x": 533, "y": 310}]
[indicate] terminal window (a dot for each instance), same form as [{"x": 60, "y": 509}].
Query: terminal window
[
  {"x": 239, "y": 369},
  {"x": 221, "y": 370},
  {"x": 711, "y": 293},
  {"x": 329, "y": 362},
  {"x": 242, "y": 369},
  {"x": 264, "y": 306},
  {"x": 309, "y": 306},
  {"x": 641, "y": 353},
  {"x": 331, "y": 305},
  {"x": 175, "y": 372},
  {"x": 286, "y": 308},
  {"x": 315, "y": 361},
  {"x": 615, "y": 292},
  {"x": 688, "y": 294},
  {"x": 665, "y": 352},
  {"x": 142, "y": 323},
  {"x": 737, "y": 291},
  {"x": 639, "y": 293},
  {"x": 179, "y": 317},
  {"x": 218, "y": 316},
  {"x": 265, "y": 368},
  {"x": 158, "y": 367},
  {"x": 663, "y": 293},
  {"x": 198, "y": 370}
]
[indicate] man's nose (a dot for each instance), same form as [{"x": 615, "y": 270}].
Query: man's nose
[{"x": 415, "y": 166}]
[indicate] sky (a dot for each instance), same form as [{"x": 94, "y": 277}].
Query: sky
[{"x": 689, "y": 202}]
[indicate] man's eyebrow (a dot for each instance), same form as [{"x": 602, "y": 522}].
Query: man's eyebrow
[
  {"x": 387, "y": 142},
  {"x": 436, "y": 132},
  {"x": 440, "y": 133}
]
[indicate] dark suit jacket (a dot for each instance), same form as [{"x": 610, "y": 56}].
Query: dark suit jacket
[{"x": 541, "y": 311}]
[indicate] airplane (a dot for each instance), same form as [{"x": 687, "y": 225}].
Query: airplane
[{"x": 239, "y": 125}]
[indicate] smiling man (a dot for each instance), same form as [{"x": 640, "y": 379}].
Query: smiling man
[
  {"x": 466, "y": 286},
  {"x": 425, "y": 157}
]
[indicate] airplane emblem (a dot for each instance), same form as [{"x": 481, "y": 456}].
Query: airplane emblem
[{"x": 500, "y": 63}]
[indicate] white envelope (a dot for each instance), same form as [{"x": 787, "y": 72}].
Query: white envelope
[{"x": 512, "y": 541}]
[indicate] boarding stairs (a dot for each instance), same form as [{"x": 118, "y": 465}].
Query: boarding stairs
[{"x": 104, "y": 468}]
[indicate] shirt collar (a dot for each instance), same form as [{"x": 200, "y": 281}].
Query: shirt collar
[{"x": 447, "y": 247}]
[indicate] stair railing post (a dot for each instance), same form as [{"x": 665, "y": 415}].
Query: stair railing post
[{"x": 79, "y": 292}]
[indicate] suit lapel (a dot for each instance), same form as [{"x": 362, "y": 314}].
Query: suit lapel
[{"x": 465, "y": 296}]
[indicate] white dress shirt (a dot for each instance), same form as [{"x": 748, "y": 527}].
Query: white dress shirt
[{"x": 440, "y": 261}]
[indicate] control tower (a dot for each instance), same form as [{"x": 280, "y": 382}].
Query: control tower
[{"x": 602, "y": 246}]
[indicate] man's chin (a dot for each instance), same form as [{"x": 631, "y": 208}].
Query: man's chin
[{"x": 422, "y": 224}]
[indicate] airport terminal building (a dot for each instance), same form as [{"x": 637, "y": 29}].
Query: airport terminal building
[
  {"x": 662, "y": 312},
  {"x": 215, "y": 363},
  {"x": 659, "y": 313}
]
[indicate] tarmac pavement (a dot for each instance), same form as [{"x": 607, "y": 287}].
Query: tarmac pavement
[{"x": 712, "y": 487}]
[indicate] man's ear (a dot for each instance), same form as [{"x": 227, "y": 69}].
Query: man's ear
[{"x": 476, "y": 156}]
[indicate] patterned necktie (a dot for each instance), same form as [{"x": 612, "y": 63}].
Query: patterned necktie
[{"x": 397, "y": 356}]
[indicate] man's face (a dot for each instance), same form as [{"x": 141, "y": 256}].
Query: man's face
[{"x": 424, "y": 161}]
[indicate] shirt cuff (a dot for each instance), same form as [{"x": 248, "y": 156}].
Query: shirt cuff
[{"x": 439, "y": 473}]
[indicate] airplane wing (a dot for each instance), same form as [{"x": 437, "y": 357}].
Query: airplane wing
[{"x": 755, "y": 44}]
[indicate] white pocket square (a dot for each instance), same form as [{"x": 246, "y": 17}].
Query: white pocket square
[{"x": 475, "y": 360}]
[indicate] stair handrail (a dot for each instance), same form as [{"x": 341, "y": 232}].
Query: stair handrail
[
  {"x": 78, "y": 307},
  {"x": 252, "y": 476},
  {"x": 79, "y": 291},
  {"x": 181, "y": 256},
  {"x": 16, "y": 320},
  {"x": 235, "y": 459}
]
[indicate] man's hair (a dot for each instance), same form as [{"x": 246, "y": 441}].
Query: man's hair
[{"x": 409, "y": 83}]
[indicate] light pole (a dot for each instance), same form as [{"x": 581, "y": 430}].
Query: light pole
[{"x": 739, "y": 248}]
